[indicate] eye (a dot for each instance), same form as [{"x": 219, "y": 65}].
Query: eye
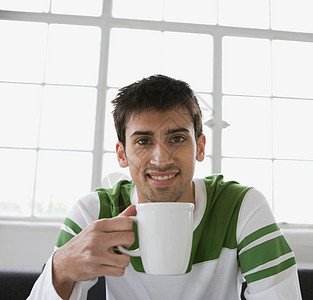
[
  {"x": 143, "y": 141},
  {"x": 178, "y": 139}
]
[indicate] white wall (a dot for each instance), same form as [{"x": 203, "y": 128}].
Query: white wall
[{"x": 25, "y": 244}]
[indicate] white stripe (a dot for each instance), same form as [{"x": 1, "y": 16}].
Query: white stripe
[
  {"x": 68, "y": 229},
  {"x": 261, "y": 240},
  {"x": 86, "y": 210}
]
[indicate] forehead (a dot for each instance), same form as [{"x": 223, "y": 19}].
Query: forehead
[{"x": 160, "y": 121}]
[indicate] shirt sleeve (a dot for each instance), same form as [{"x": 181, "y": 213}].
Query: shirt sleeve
[
  {"x": 266, "y": 261},
  {"x": 84, "y": 212},
  {"x": 43, "y": 287}
]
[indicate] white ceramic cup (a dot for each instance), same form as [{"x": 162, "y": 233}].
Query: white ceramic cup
[{"x": 165, "y": 232}]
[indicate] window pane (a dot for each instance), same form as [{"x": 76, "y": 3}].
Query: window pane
[
  {"x": 293, "y": 191},
  {"x": 244, "y": 13},
  {"x": 292, "y": 15},
  {"x": 68, "y": 118},
  {"x": 180, "y": 55},
  {"x": 246, "y": 66},
  {"x": 292, "y": 69},
  {"x": 138, "y": 9},
  {"x": 134, "y": 54},
  {"x": 77, "y": 7},
  {"x": 19, "y": 115},
  {"x": 22, "y": 51},
  {"x": 62, "y": 178},
  {"x": 73, "y": 54},
  {"x": 196, "y": 11},
  {"x": 110, "y": 166},
  {"x": 251, "y": 172},
  {"x": 17, "y": 174},
  {"x": 293, "y": 125},
  {"x": 110, "y": 136},
  {"x": 189, "y": 57},
  {"x": 29, "y": 5},
  {"x": 250, "y": 130}
]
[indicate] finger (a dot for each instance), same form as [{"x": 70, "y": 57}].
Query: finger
[
  {"x": 119, "y": 223},
  {"x": 113, "y": 239},
  {"x": 110, "y": 258},
  {"x": 102, "y": 268},
  {"x": 106, "y": 270},
  {"x": 129, "y": 211},
  {"x": 115, "y": 260}
]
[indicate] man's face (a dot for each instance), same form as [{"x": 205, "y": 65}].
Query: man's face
[{"x": 161, "y": 151}]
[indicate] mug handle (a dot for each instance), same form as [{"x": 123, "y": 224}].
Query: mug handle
[{"x": 135, "y": 252}]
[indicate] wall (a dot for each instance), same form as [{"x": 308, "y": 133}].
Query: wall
[{"x": 27, "y": 244}]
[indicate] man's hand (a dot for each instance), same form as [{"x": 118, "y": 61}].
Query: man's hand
[{"x": 90, "y": 254}]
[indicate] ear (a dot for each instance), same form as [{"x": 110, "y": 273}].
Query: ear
[
  {"x": 201, "y": 147},
  {"x": 121, "y": 155}
]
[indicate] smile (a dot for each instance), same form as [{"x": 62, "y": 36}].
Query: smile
[{"x": 162, "y": 178}]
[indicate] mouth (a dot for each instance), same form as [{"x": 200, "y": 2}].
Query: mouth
[{"x": 162, "y": 178}]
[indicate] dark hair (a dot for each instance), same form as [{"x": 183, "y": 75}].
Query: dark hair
[{"x": 157, "y": 92}]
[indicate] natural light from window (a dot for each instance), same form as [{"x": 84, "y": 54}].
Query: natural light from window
[{"x": 63, "y": 61}]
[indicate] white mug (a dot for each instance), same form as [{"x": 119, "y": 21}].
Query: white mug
[{"x": 165, "y": 231}]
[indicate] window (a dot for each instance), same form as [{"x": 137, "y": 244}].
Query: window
[{"x": 62, "y": 63}]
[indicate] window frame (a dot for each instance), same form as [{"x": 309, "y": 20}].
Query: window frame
[{"x": 106, "y": 22}]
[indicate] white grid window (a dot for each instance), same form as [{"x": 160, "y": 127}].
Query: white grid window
[{"x": 63, "y": 61}]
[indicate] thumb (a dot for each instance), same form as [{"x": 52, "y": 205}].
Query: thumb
[{"x": 129, "y": 211}]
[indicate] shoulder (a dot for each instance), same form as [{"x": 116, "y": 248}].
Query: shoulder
[
  {"x": 114, "y": 200},
  {"x": 85, "y": 210},
  {"x": 255, "y": 213},
  {"x": 266, "y": 260},
  {"x": 223, "y": 193},
  {"x": 224, "y": 200}
]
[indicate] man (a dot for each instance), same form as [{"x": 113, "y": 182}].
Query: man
[{"x": 159, "y": 128}]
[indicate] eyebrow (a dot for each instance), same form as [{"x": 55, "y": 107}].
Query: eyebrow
[
  {"x": 181, "y": 129},
  {"x": 151, "y": 133}
]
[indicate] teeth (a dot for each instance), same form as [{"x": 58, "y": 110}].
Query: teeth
[{"x": 161, "y": 178}]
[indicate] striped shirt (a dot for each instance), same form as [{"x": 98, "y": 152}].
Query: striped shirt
[{"x": 235, "y": 239}]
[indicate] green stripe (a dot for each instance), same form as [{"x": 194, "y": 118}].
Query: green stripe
[
  {"x": 257, "y": 234},
  {"x": 63, "y": 238},
  {"x": 217, "y": 229},
  {"x": 113, "y": 201},
  {"x": 271, "y": 271},
  {"x": 71, "y": 224},
  {"x": 263, "y": 253}
]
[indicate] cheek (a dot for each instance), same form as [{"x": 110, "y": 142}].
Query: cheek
[
  {"x": 186, "y": 153},
  {"x": 136, "y": 153}
]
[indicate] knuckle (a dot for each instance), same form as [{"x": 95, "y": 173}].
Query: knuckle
[
  {"x": 94, "y": 226},
  {"x": 131, "y": 237},
  {"x": 92, "y": 242},
  {"x": 125, "y": 221},
  {"x": 124, "y": 261},
  {"x": 129, "y": 223},
  {"x": 88, "y": 255},
  {"x": 119, "y": 272}
]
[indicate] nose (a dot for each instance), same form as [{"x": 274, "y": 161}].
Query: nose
[{"x": 161, "y": 156}]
